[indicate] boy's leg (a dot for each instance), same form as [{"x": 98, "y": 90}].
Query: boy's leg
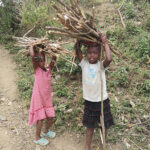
[
  {"x": 38, "y": 129},
  {"x": 89, "y": 135},
  {"x": 49, "y": 122}
]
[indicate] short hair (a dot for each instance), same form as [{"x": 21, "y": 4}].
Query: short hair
[{"x": 98, "y": 46}]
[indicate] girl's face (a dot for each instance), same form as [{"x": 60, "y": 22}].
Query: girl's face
[
  {"x": 42, "y": 63},
  {"x": 93, "y": 55}
]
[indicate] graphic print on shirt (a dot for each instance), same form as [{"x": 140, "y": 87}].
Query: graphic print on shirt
[
  {"x": 91, "y": 78},
  {"x": 92, "y": 72}
]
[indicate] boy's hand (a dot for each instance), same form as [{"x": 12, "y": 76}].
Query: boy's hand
[
  {"x": 103, "y": 38},
  {"x": 78, "y": 44},
  {"x": 78, "y": 50}
]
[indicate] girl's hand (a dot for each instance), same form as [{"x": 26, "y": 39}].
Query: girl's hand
[{"x": 54, "y": 58}]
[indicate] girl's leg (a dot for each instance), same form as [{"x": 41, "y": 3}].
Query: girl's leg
[
  {"x": 38, "y": 129},
  {"x": 49, "y": 122},
  {"x": 89, "y": 135}
]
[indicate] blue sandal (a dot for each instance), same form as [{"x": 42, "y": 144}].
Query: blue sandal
[
  {"x": 41, "y": 142},
  {"x": 49, "y": 134}
]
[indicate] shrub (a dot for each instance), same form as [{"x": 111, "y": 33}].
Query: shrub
[
  {"x": 143, "y": 47},
  {"x": 144, "y": 88},
  {"x": 132, "y": 29},
  {"x": 147, "y": 24},
  {"x": 128, "y": 10},
  {"x": 8, "y": 21},
  {"x": 119, "y": 78},
  {"x": 38, "y": 14}
]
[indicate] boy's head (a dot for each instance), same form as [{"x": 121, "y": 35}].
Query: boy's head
[{"x": 93, "y": 54}]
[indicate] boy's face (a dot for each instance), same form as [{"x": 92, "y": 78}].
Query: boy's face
[{"x": 93, "y": 55}]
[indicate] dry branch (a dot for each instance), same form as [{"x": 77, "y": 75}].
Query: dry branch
[
  {"x": 75, "y": 23},
  {"x": 121, "y": 18},
  {"x": 120, "y": 15},
  {"x": 50, "y": 48}
]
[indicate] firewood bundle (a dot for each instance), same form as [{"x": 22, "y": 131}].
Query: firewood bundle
[
  {"x": 50, "y": 48},
  {"x": 76, "y": 25}
]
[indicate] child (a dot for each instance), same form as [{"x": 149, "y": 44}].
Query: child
[
  {"x": 91, "y": 83},
  {"x": 41, "y": 106}
]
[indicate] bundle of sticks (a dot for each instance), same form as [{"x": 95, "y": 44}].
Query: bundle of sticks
[
  {"x": 76, "y": 24},
  {"x": 50, "y": 48}
]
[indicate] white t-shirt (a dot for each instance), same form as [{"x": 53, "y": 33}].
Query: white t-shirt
[{"x": 91, "y": 81}]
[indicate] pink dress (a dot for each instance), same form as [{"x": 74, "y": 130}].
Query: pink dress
[{"x": 41, "y": 105}]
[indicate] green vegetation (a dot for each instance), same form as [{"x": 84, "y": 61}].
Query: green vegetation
[{"x": 128, "y": 78}]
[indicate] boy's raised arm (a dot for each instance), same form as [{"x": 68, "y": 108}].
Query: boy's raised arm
[
  {"x": 78, "y": 51},
  {"x": 108, "y": 58}
]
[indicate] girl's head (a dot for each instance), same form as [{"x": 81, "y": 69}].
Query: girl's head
[
  {"x": 40, "y": 60},
  {"x": 93, "y": 54}
]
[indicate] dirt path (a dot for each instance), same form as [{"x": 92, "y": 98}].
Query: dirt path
[{"x": 14, "y": 131}]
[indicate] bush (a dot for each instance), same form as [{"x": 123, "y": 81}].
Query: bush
[
  {"x": 66, "y": 66},
  {"x": 117, "y": 34},
  {"x": 142, "y": 48},
  {"x": 147, "y": 24},
  {"x": 38, "y": 14},
  {"x": 144, "y": 88},
  {"x": 118, "y": 78},
  {"x": 132, "y": 29},
  {"x": 8, "y": 21},
  {"x": 128, "y": 10}
]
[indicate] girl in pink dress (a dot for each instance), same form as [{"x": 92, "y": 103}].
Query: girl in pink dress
[{"x": 41, "y": 106}]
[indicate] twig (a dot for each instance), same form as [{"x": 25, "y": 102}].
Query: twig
[
  {"x": 28, "y": 32},
  {"x": 134, "y": 144},
  {"x": 121, "y": 15},
  {"x": 110, "y": 147},
  {"x": 93, "y": 14},
  {"x": 121, "y": 18}
]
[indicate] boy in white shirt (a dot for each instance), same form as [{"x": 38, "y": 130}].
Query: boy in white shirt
[{"x": 91, "y": 84}]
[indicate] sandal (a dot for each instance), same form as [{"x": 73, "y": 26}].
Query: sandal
[
  {"x": 49, "y": 134},
  {"x": 41, "y": 142}
]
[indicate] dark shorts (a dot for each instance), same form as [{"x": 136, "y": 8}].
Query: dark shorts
[{"x": 92, "y": 112}]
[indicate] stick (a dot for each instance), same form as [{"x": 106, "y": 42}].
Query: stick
[
  {"x": 134, "y": 144},
  {"x": 93, "y": 14},
  {"x": 28, "y": 32},
  {"x": 101, "y": 136},
  {"x": 102, "y": 109},
  {"x": 73, "y": 36},
  {"x": 121, "y": 18},
  {"x": 73, "y": 59},
  {"x": 121, "y": 15}
]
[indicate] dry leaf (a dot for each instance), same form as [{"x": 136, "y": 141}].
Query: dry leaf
[{"x": 132, "y": 103}]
